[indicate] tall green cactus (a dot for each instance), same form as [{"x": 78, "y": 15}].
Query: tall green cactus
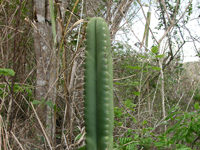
[{"x": 98, "y": 87}]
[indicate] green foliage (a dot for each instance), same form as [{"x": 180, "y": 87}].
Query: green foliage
[
  {"x": 127, "y": 144},
  {"x": 196, "y": 106},
  {"x": 159, "y": 56},
  {"x": 48, "y": 103},
  {"x": 142, "y": 56},
  {"x": 78, "y": 136},
  {"x": 36, "y": 102},
  {"x": 197, "y": 97},
  {"x": 82, "y": 148},
  {"x": 156, "y": 68},
  {"x": 132, "y": 140},
  {"x": 184, "y": 131},
  {"x": 154, "y": 49},
  {"x": 6, "y": 72},
  {"x": 16, "y": 89},
  {"x": 129, "y": 104},
  {"x": 136, "y": 93},
  {"x": 98, "y": 87}
]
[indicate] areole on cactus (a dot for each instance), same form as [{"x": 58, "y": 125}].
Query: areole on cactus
[{"x": 98, "y": 87}]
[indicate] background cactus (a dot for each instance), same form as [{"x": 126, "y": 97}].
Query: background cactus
[{"x": 98, "y": 88}]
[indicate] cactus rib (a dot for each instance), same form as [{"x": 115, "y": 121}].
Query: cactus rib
[{"x": 98, "y": 87}]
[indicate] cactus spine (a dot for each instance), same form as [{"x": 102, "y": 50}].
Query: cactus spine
[{"x": 98, "y": 87}]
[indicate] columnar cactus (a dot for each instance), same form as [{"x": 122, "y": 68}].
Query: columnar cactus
[{"x": 98, "y": 87}]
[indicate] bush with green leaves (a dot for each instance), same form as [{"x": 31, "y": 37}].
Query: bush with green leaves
[
  {"x": 182, "y": 133},
  {"x": 184, "y": 129}
]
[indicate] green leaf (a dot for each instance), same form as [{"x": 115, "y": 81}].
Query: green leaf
[
  {"x": 120, "y": 123},
  {"x": 82, "y": 148},
  {"x": 78, "y": 137},
  {"x": 173, "y": 109},
  {"x": 156, "y": 68},
  {"x": 159, "y": 56},
  {"x": 55, "y": 108},
  {"x": 196, "y": 106},
  {"x": 6, "y": 72},
  {"x": 134, "y": 120},
  {"x": 136, "y": 136},
  {"x": 129, "y": 130},
  {"x": 171, "y": 115},
  {"x": 118, "y": 83},
  {"x": 136, "y": 93},
  {"x": 134, "y": 67},
  {"x": 158, "y": 144},
  {"x": 35, "y": 102},
  {"x": 142, "y": 56},
  {"x": 135, "y": 83},
  {"x": 144, "y": 122},
  {"x": 154, "y": 49},
  {"x": 128, "y": 103},
  {"x": 49, "y": 103}
]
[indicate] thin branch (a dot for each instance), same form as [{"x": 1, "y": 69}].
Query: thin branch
[{"x": 20, "y": 145}]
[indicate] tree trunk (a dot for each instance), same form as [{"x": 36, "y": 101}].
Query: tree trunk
[{"x": 46, "y": 66}]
